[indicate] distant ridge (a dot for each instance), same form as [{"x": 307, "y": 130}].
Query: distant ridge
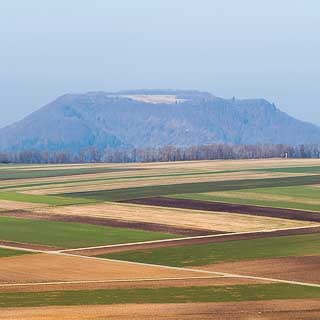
[{"x": 153, "y": 118}]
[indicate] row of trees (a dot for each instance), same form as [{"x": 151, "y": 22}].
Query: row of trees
[{"x": 169, "y": 153}]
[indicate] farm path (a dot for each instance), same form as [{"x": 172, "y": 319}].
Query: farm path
[
  {"x": 233, "y": 275},
  {"x": 192, "y": 240}
]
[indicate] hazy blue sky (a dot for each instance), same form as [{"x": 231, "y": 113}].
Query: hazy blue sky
[{"x": 247, "y": 48}]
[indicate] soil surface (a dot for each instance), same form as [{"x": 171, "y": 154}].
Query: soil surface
[
  {"x": 229, "y": 207},
  {"x": 255, "y": 310},
  {"x": 183, "y": 282},
  {"x": 54, "y": 268},
  {"x": 304, "y": 269}
]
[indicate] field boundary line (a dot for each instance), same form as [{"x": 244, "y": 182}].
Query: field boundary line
[
  {"x": 216, "y": 274},
  {"x": 186, "y": 238},
  {"x": 223, "y": 274},
  {"x": 4, "y": 285},
  {"x": 22, "y": 249}
]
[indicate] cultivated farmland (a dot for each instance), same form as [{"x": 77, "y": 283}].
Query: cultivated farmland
[{"x": 237, "y": 239}]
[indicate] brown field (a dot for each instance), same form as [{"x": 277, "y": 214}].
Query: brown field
[
  {"x": 255, "y": 310},
  {"x": 181, "y": 218},
  {"x": 304, "y": 269},
  {"x": 57, "y": 267},
  {"x": 109, "y": 284},
  {"x": 229, "y": 207}
]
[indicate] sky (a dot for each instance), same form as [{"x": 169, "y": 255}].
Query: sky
[{"x": 247, "y": 49}]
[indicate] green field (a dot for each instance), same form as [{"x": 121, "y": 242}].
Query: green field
[
  {"x": 197, "y": 255},
  {"x": 162, "y": 295},
  {"x": 261, "y": 183},
  {"x": 298, "y": 197},
  {"x": 50, "y": 200},
  {"x": 123, "y": 178},
  {"x": 11, "y": 253},
  {"x": 34, "y": 174},
  {"x": 70, "y": 235},
  {"x": 311, "y": 169},
  {"x": 200, "y": 187}
]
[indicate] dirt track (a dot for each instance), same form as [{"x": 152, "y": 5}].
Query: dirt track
[
  {"x": 192, "y": 241},
  {"x": 56, "y": 268},
  {"x": 255, "y": 310},
  {"x": 160, "y": 283},
  {"x": 228, "y": 207},
  {"x": 305, "y": 268},
  {"x": 28, "y": 246},
  {"x": 138, "y": 225}
]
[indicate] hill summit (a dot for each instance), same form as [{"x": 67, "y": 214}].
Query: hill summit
[{"x": 153, "y": 118}]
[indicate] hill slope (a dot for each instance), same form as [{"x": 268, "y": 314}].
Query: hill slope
[{"x": 153, "y": 118}]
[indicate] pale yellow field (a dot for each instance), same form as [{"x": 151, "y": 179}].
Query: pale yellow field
[
  {"x": 261, "y": 196},
  {"x": 17, "y": 205},
  {"x": 231, "y": 164},
  {"x": 216, "y": 221},
  {"x": 204, "y": 164}
]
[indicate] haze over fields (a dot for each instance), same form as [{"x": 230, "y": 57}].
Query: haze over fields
[
  {"x": 153, "y": 118},
  {"x": 159, "y": 160},
  {"x": 247, "y": 49}
]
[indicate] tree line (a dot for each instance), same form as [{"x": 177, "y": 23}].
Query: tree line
[{"x": 168, "y": 153}]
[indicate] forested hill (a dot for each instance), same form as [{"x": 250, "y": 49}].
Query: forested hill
[{"x": 153, "y": 118}]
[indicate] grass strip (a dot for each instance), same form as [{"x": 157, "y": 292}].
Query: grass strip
[
  {"x": 309, "y": 169},
  {"x": 204, "y": 254},
  {"x": 50, "y": 200},
  {"x": 71, "y": 235},
  {"x": 200, "y": 187},
  {"x": 235, "y": 293},
  {"x": 255, "y": 197},
  {"x": 33, "y": 174},
  {"x": 11, "y": 253}
]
